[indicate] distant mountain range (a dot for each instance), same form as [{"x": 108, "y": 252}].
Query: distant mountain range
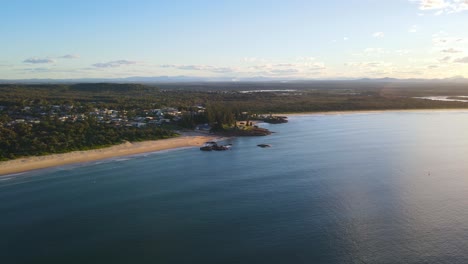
[{"x": 188, "y": 79}]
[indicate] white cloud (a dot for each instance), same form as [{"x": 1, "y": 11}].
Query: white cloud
[
  {"x": 250, "y": 59},
  {"x": 286, "y": 71},
  {"x": 316, "y": 66},
  {"x": 371, "y": 52},
  {"x": 445, "y": 59},
  {"x": 443, "y": 6},
  {"x": 305, "y": 59},
  {"x": 402, "y": 51},
  {"x": 114, "y": 64},
  {"x": 432, "y": 4},
  {"x": 368, "y": 64},
  {"x": 36, "y": 60},
  {"x": 413, "y": 29},
  {"x": 460, "y": 5},
  {"x": 444, "y": 41},
  {"x": 462, "y": 60},
  {"x": 206, "y": 68},
  {"x": 378, "y": 35},
  {"x": 374, "y": 51},
  {"x": 221, "y": 69},
  {"x": 35, "y": 70},
  {"x": 451, "y": 50},
  {"x": 439, "y": 41},
  {"x": 69, "y": 56},
  {"x": 300, "y": 67},
  {"x": 284, "y": 65},
  {"x": 371, "y": 68},
  {"x": 306, "y": 67}
]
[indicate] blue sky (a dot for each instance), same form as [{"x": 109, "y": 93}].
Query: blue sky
[{"x": 279, "y": 39}]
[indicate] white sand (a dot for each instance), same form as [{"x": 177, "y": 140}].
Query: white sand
[{"x": 126, "y": 149}]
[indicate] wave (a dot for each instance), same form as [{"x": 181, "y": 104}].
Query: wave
[{"x": 6, "y": 179}]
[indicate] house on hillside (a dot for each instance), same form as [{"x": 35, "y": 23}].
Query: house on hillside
[{"x": 204, "y": 127}]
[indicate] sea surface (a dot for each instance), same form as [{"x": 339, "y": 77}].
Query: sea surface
[{"x": 386, "y": 187}]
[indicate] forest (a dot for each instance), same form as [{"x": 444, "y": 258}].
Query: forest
[
  {"x": 301, "y": 97},
  {"x": 54, "y": 136}
]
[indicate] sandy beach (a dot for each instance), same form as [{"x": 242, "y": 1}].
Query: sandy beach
[{"x": 125, "y": 149}]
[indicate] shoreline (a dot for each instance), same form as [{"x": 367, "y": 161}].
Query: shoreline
[
  {"x": 373, "y": 111},
  {"x": 186, "y": 139},
  {"x": 21, "y": 165}
]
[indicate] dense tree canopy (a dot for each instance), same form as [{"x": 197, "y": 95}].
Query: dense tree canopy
[{"x": 54, "y": 136}]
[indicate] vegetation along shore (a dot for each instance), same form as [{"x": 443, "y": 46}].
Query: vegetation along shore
[{"x": 50, "y": 119}]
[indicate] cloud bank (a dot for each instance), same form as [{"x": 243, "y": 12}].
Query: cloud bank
[
  {"x": 462, "y": 60},
  {"x": 114, "y": 64},
  {"x": 443, "y": 6},
  {"x": 278, "y": 69},
  {"x": 451, "y": 50},
  {"x": 38, "y": 60},
  {"x": 69, "y": 56},
  {"x": 207, "y": 68}
]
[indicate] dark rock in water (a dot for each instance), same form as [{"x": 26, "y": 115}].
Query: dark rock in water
[
  {"x": 209, "y": 146},
  {"x": 219, "y": 148},
  {"x": 276, "y": 119},
  {"x": 264, "y": 145},
  {"x": 206, "y": 148}
]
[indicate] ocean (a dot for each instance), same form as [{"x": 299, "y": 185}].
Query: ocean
[{"x": 387, "y": 187}]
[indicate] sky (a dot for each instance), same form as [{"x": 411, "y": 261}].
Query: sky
[{"x": 293, "y": 39}]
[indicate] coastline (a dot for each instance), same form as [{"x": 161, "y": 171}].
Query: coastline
[
  {"x": 373, "y": 111},
  {"x": 187, "y": 139},
  {"x": 191, "y": 139}
]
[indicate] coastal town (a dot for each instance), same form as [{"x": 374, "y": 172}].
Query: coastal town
[{"x": 33, "y": 114}]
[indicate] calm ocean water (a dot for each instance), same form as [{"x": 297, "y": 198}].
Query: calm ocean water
[{"x": 356, "y": 188}]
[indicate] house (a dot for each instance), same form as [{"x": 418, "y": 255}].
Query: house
[
  {"x": 204, "y": 127},
  {"x": 138, "y": 124}
]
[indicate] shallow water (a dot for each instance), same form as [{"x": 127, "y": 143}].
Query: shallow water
[
  {"x": 445, "y": 98},
  {"x": 354, "y": 188}
]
